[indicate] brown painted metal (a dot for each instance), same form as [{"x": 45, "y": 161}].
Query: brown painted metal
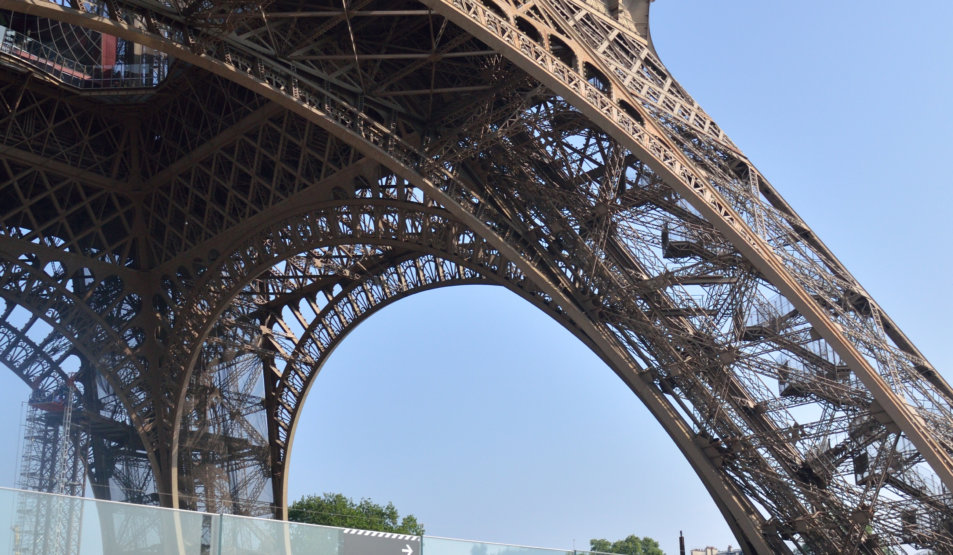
[{"x": 204, "y": 225}]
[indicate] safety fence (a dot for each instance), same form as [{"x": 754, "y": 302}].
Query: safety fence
[{"x": 46, "y": 524}]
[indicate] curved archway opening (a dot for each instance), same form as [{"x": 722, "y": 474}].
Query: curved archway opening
[
  {"x": 597, "y": 78},
  {"x": 562, "y": 51},
  {"x": 479, "y": 414},
  {"x": 529, "y": 29}
]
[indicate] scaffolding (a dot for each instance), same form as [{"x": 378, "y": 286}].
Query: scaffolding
[{"x": 49, "y": 463}]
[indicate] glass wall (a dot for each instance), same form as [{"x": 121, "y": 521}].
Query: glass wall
[
  {"x": 43, "y": 524},
  {"x": 446, "y": 546}
]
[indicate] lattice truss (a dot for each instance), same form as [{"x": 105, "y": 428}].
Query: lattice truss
[{"x": 202, "y": 245}]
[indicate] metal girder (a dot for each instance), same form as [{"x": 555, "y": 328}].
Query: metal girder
[{"x": 300, "y": 166}]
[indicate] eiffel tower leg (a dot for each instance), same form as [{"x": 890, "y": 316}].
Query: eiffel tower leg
[{"x": 273, "y": 189}]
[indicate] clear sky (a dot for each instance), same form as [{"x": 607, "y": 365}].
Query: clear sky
[{"x": 475, "y": 412}]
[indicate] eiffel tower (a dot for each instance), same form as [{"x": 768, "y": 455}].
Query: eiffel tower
[{"x": 199, "y": 199}]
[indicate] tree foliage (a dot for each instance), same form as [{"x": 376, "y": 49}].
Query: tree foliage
[
  {"x": 333, "y": 509},
  {"x": 632, "y": 545}
]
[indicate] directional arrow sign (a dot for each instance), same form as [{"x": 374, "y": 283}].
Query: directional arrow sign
[{"x": 367, "y": 542}]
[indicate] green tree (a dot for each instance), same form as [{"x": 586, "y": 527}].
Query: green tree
[
  {"x": 333, "y": 509},
  {"x": 632, "y": 545}
]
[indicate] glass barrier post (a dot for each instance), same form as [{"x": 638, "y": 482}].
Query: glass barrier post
[{"x": 221, "y": 522}]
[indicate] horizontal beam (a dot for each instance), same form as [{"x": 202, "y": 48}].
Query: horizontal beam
[
  {"x": 436, "y": 57},
  {"x": 444, "y": 90}
]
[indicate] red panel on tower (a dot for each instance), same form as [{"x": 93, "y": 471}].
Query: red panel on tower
[{"x": 109, "y": 52}]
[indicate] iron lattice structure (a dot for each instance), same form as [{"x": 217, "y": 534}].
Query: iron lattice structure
[{"x": 199, "y": 199}]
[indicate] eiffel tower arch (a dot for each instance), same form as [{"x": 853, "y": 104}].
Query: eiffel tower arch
[{"x": 199, "y": 200}]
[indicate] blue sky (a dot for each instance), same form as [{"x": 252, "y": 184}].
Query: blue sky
[{"x": 475, "y": 412}]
